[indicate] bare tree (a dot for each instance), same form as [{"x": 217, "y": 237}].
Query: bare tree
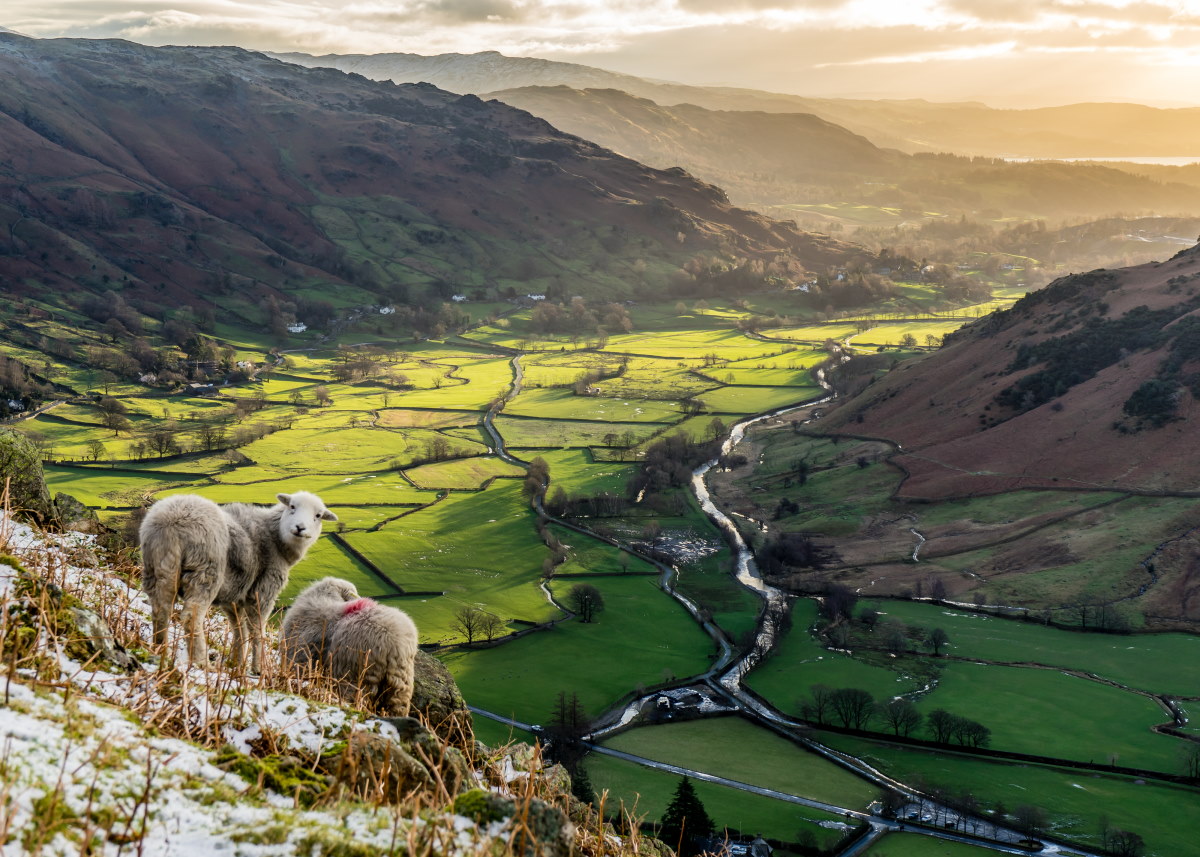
[
  {"x": 1030, "y": 820},
  {"x": 1125, "y": 843},
  {"x": 819, "y": 704},
  {"x": 901, "y": 716},
  {"x": 491, "y": 626},
  {"x": 895, "y": 638},
  {"x": 937, "y": 639},
  {"x": 854, "y": 707},
  {"x": 163, "y": 441},
  {"x": 941, "y": 725},
  {"x": 468, "y": 621},
  {"x": 585, "y": 600},
  {"x": 1191, "y": 760}
]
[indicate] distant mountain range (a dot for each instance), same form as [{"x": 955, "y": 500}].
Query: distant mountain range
[
  {"x": 180, "y": 173},
  {"x": 777, "y": 159},
  {"x": 967, "y": 128}
]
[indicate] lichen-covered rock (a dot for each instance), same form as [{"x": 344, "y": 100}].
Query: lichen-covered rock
[
  {"x": 538, "y": 829},
  {"x": 73, "y": 515},
  {"x": 437, "y": 697},
  {"x": 84, "y": 634},
  {"x": 21, "y": 465},
  {"x": 393, "y": 768},
  {"x": 90, "y": 639}
]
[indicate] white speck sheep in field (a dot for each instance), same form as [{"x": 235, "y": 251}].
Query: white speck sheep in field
[
  {"x": 367, "y": 646},
  {"x": 235, "y": 557}
]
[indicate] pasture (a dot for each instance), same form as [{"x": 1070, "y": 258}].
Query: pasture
[
  {"x": 1159, "y": 663},
  {"x": 916, "y": 845},
  {"x": 924, "y": 332},
  {"x": 462, "y": 473},
  {"x": 521, "y": 432},
  {"x": 600, "y": 660},
  {"x": 800, "y": 661},
  {"x": 556, "y": 403},
  {"x": 1031, "y": 710},
  {"x": 496, "y": 567},
  {"x": 738, "y": 750},
  {"x": 645, "y": 792},
  {"x": 1075, "y": 801}
]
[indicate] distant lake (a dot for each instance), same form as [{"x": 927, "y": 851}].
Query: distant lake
[{"x": 1162, "y": 162}]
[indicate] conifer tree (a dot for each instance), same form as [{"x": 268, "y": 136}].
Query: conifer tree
[{"x": 684, "y": 819}]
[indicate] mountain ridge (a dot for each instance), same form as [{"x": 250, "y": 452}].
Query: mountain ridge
[
  {"x": 320, "y": 177},
  {"x": 911, "y": 125}
]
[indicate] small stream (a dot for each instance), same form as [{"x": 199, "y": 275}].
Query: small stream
[{"x": 746, "y": 571}]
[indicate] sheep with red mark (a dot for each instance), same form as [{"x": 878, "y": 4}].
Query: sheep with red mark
[{"x": 368, "y": 647}]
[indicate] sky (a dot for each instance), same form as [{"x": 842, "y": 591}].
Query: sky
[{"x": 1008, "y": 53}]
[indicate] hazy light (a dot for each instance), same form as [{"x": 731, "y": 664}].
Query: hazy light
[{"x": 949, "y": 48}]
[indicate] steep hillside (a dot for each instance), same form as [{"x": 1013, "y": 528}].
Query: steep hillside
[
  {"x": 219, "y": 175},
  {"x": 112, "y": 749},
  {"x": 1091, "y": 383},
  {"x": 912, "y": 125}
]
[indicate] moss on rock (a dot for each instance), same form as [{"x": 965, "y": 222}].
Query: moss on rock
[
  {"x": 287, "y": 775},
  {"x": 21, "y": 465}
]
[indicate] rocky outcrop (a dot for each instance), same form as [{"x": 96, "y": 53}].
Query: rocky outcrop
[{"x": 21, "y": 469}]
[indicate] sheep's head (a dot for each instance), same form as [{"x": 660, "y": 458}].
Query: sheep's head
[
  {"x": 333, "y": 588},
  {"x": 303, "y": 514}
]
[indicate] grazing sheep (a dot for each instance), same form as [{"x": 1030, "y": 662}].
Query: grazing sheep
[
  {"x": 366, "y": 645},
  {"x": 236, "y": 557}
]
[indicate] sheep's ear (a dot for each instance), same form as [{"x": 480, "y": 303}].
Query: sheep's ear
[
  {"x": 328, "y": 516},
  {"x": 285, "y": 499}
]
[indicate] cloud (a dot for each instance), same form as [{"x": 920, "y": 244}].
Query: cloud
[
  {"x": 930, "y": 48},
  {"x": 761, "y": 5}
]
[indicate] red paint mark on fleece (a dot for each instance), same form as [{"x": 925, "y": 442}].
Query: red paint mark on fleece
[{"x": 356, "y": 606}]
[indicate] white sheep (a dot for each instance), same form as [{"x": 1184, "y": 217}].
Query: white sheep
[
  {"x": 368, "y": 647},
  {"x": 235, "y": 557}
]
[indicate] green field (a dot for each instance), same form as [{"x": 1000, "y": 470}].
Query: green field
[
  {"x": 892, "y": 334},
  {"x": 600, "y": 660},
  {"x": 645, "y": 792},
  {"x": 755, "y": 400},
  {"x": 552, "y": 403},
  {"x": 1075, "y": 801},
  {"x": 523, "y": 432},
  {"x": 497, "y": 567},
  {"x": 736, "y": 749},
  {"x": 800, "y": 661},
  {"x": 1030, "y": 710},
  {"x": 1157, "y": 663},
  {"x": 916, "y": 845},
  {"x": 462, "y": 473}
]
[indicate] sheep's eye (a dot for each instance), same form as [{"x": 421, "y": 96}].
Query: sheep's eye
[{"x": 292, "y": 508}]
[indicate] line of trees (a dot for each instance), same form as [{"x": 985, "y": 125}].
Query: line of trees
[{"x": 854, "y": 708}]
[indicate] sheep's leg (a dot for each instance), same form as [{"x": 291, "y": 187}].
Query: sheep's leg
[
  {"x": 163, "y": 589},
  {"x": 238, "y": 651},
  {"x": 193, "y": 627},
  {"x": 160, "y": 611},
  {"x": 256, "y": 623}
]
